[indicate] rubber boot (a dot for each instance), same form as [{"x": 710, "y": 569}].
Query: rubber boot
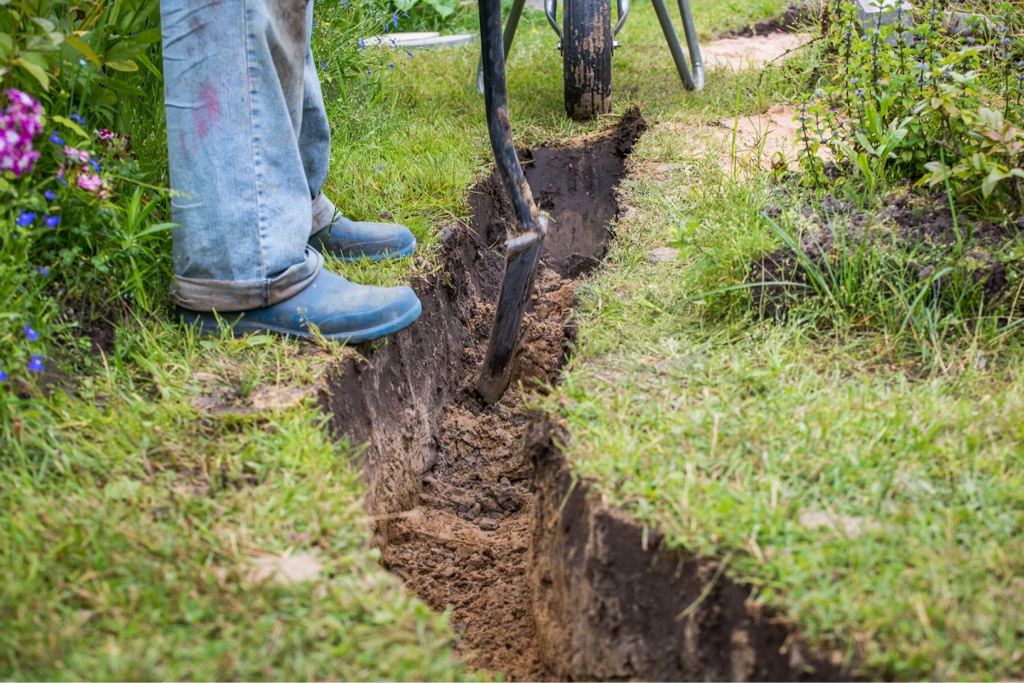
[
  {"x": 350, "y": 240},
  {"x": 341, "y": 310}
]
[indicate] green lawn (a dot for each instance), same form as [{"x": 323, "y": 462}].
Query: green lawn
[{"x": 876, "y": 505}]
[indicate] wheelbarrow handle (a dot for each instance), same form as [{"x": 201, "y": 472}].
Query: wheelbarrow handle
[{"x": 499, "y": 126}]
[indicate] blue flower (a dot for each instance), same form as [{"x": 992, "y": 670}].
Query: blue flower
[
  {"x": 394, "y": 19},
  {"x": 81, "y": 62},
  {"x": 30, "y": 333},
  {"x": 43, "y": 270},
  {"x": 52, "y": 221},
  {"x": 26, "y": 218},
  {"x": 3, "y": 375},
  {"x": 50, "y": 196},
  {"x": 323, "y": 65},
  {"x": 56, "y": 138},
  {"x": 62, "y": 181},
  {"x": 96, "y": 167},
  {"x": 409, "y": 53},
  {"x": 77, "y": 119},
  {"x": 362, "y": 44},
  {"x": 369, "y": 72},
  {"x": 391, "y": 65},
  {"x": 36, "y": 364}
]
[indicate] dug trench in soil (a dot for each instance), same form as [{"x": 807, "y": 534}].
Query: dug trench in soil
[{"x": 454, "y": 492}]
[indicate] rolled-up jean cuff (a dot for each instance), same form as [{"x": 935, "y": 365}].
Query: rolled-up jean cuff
[
  {"x": 323, "y": 213},
  {"x": 245, "y": 295}
]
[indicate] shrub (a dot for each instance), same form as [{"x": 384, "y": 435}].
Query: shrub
[{"x": 927, "y": 96}]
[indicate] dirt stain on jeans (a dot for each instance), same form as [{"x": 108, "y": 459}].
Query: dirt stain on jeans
[{"x": 208, "y": 112}]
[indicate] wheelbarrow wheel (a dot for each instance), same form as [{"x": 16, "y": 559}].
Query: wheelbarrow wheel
[{"x": 587, "y": 58}]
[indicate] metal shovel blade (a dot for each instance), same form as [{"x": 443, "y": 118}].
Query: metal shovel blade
[{"x": 521, "y": 258}]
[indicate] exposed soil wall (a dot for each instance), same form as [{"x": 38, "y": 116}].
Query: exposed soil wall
[
  {"x": 541, "y": 582},
  {"x": 611, "y": 603}
]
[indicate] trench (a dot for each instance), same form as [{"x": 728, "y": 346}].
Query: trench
[{"x": 475, "y": 508}]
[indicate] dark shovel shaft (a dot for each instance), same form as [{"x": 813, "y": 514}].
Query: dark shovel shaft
[{"x": 522, "y": 252}]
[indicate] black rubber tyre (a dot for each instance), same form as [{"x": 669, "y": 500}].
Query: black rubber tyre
[{"x": 587, "y": 58}]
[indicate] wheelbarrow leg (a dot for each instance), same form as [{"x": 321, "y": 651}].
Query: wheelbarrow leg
[
  {"x": 522, "y": 253},
  {"x": 689, "y": 81},
  {"x": 510, "y": 32}
]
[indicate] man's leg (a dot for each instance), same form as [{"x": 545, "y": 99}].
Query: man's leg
[
  {"x": 234, "y": 73},
  {"x": 331, "y": 232}
]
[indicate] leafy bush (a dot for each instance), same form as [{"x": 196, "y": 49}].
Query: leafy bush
[
  {"x": 932, "y": 95},
  {"x": 77, "y": 223}
]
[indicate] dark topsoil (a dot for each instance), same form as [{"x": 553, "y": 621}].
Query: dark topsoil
[
  {"x": 542, "y": 581},
  {"x": 449, "y": 481},
  {"x": 795, "y": 18},
  {"x": 920, "y": 230}
]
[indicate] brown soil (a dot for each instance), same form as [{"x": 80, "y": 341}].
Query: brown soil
[
  {"x": 752, "y": 52},
  {"x": 746, "y": 145},
  {"x": 542, "y": 581},
  {"x": 795, "y": 18},
  {"x": 449, "y": 481}
]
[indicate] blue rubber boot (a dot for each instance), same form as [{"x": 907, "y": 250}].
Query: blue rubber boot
[
  {"x": 350, "y": 240},
  {"x": 341, "y": 310}
]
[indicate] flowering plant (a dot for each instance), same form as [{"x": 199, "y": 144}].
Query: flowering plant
[{"x": 56, "y": 191}]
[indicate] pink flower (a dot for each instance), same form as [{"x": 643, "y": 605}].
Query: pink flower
[
  {"x": 79, "y": 154},
  {"x": 90, "y": 181},
  {"x": 20, "y": 121},
  {"x": 105, "y": 134}
]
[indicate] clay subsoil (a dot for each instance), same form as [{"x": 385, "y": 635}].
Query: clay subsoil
[{"x": 475, "y": 508}]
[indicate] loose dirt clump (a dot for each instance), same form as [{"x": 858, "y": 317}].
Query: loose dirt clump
[{"x": 449, "y": 481}]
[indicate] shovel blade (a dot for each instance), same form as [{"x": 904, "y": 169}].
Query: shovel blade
[{"x": 521, "y": 258}]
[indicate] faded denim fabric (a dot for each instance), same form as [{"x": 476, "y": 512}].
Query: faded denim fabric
[{"x": 249, "y": 146}]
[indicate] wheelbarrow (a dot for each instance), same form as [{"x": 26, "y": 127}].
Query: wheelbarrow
[
  {"x": 587, "y": 41},
  {"x": 586, "y": 44}
]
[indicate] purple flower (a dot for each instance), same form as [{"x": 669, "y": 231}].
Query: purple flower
[
  {"x": 36, "y": 364},
  {"x": 30, "y": 333},
  {"x": 43, "y": 270},
  {"x": 26, "y": 218},
  {"x": 52, "y": 221},
  {"x": 50, "y": 196}
]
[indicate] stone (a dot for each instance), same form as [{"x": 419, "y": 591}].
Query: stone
[
  {"x": 878, "y": 13},
  {"x": 662, "y": 254}
]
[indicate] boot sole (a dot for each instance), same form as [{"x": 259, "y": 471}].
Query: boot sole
[{"x": 210, "y": 325}]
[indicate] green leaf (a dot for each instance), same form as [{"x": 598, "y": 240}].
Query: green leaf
[
  {"x": 6, "y": 44},
  {"x": 127, "y": 65},
  {"x": 35, "y": 71},
  {"x": 64, "y": 121},
  {"x": 83, "y": 47}
]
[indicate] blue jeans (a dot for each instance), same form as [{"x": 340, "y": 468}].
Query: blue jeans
[{"x": 249, "y": 146}]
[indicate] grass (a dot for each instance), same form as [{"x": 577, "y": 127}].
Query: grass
[
  {"x": 138, "y": 498},
  {"x": 141, "y": 484},
  {"x": 871, "y": 496}
]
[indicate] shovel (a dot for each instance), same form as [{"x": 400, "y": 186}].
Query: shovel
[{"x": 522, "y": 253}]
